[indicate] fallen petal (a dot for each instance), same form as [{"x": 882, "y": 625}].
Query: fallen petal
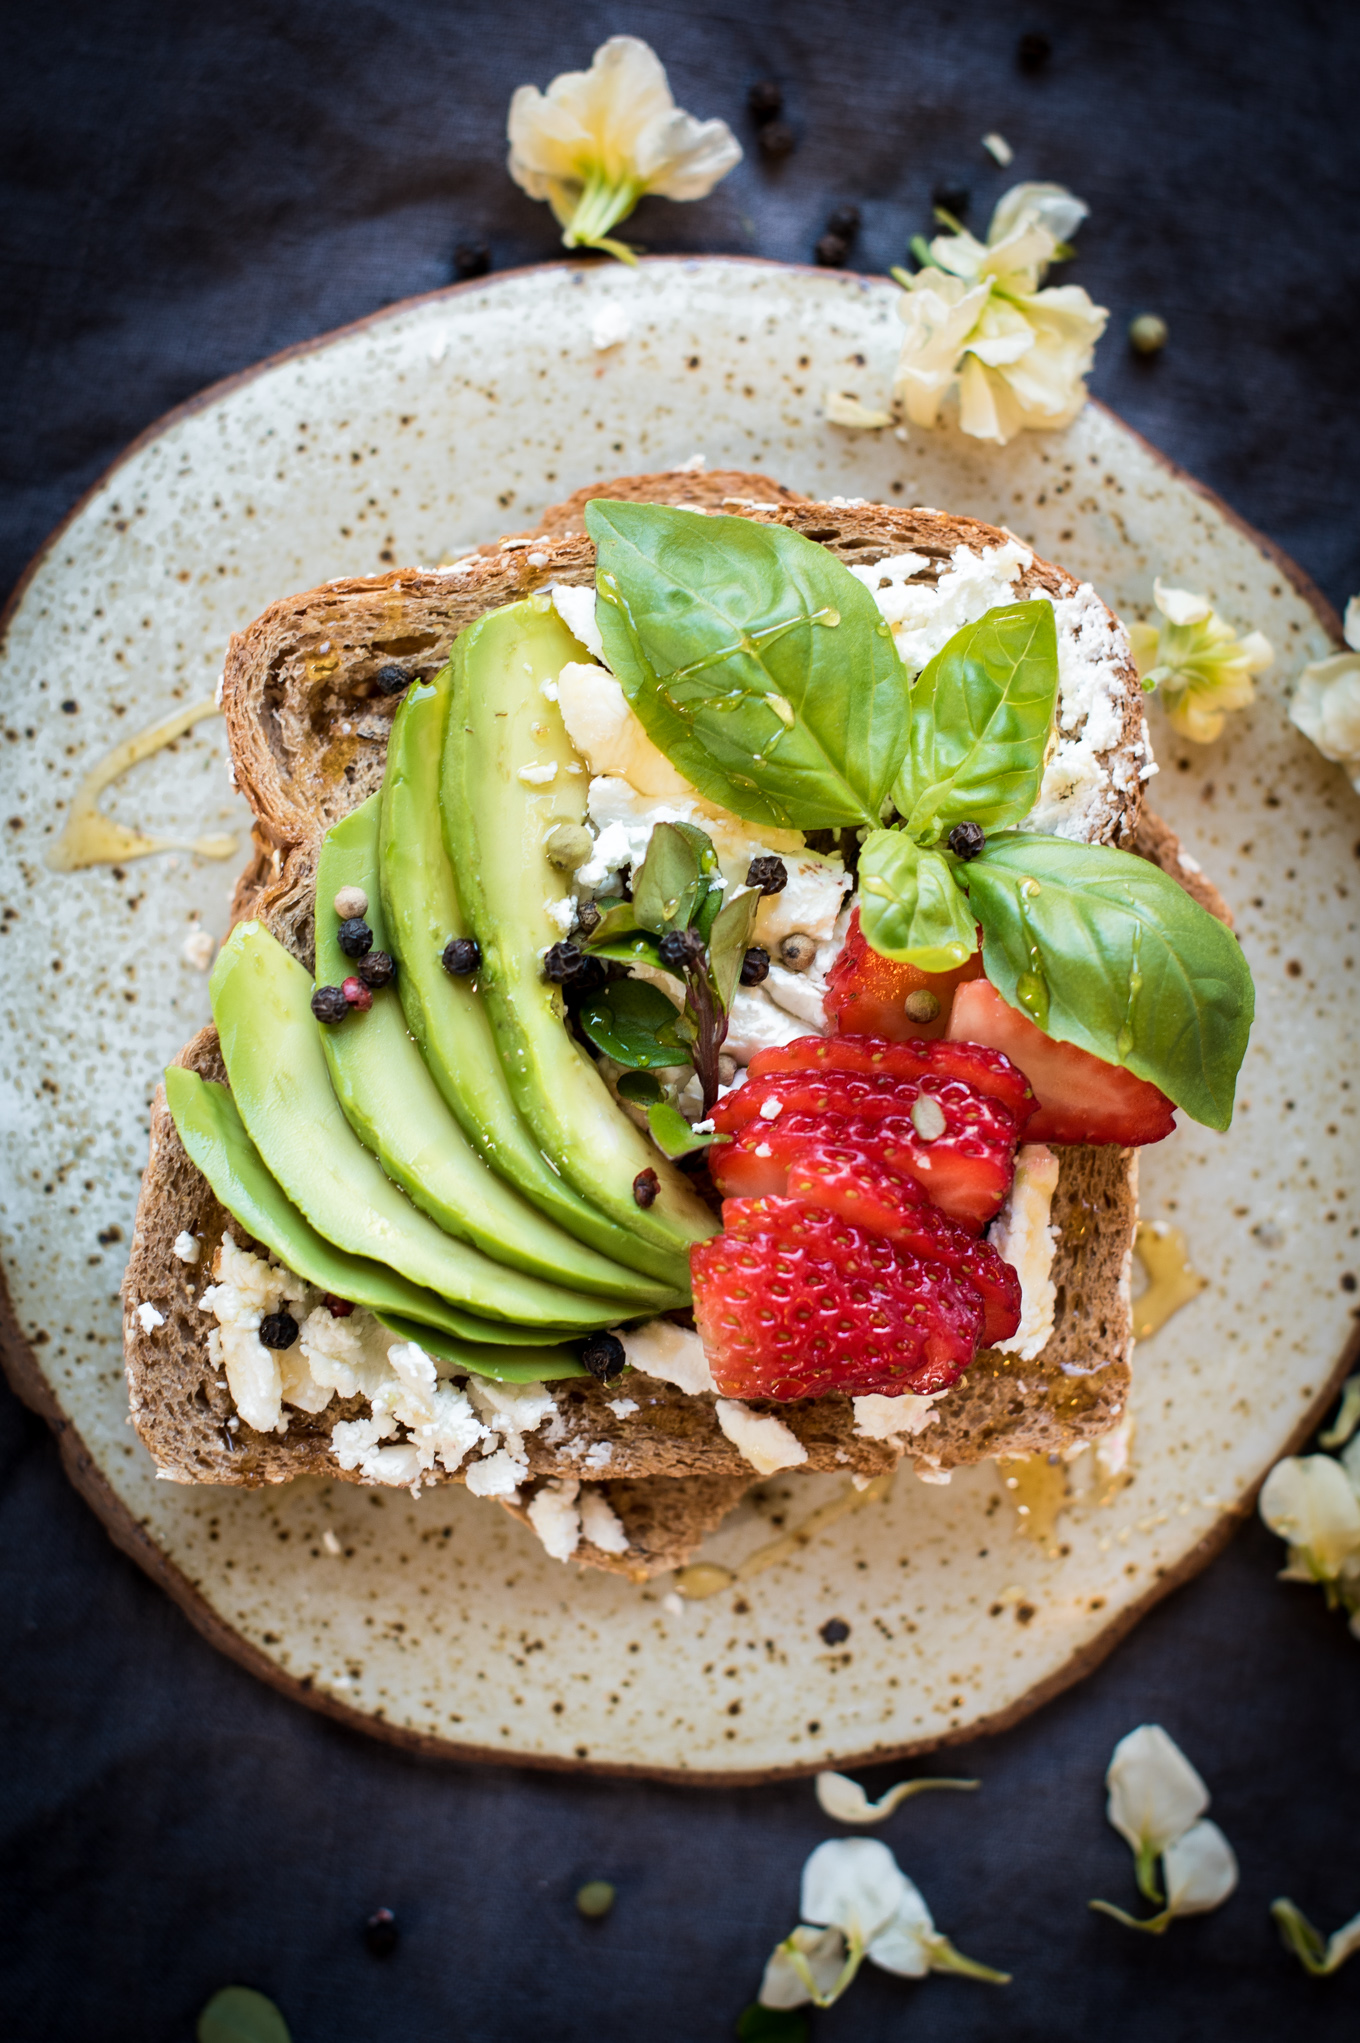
[
  {"x": 1200, "y": 1870},
  {"x": 846, "y": 1802}
]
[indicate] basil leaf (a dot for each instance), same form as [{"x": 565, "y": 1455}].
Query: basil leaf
[
  {"x": 981, "y": 714},
  {"x": 910, "y": 905},
  {"x": 615, "y": 922},
  {"x": 672, "y": 1133},
  {"x": 755, "y": 660},
  {"x": 1104, "y": 950},
  {"x": 637, "y": 949},
  {"x": 633, "y": 1022},
  {"x": 240, "y": 2015},
  {"x": 640, "y": 1087},
  {"x": 671, "y": 881},
  {"x": 728, "y": 943}
]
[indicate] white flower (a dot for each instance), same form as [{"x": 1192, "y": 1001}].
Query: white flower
[
  {"x": 977, "y": 319},
  {"x": 1157, "y": 1803},
  {"x": 1304, "y": 1941},
  {"x": 858, "y": 1903},
  {"x": 845, "y": 1801},
  {"x": 840, "y": 408},
  {"x": 1199, "y": 666},
  {"x": 1309, "y": 1501},
  {"x": 597, "y": 140},
  {"x": 1326, "y": 706}
]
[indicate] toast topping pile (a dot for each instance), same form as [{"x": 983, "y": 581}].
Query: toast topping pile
[{"x": 747, "y": 881}]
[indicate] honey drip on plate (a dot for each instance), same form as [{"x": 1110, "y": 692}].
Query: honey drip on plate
[
  {"x": 1172, "y": 1283},
  {"x": 1038, "y": 1490},
  {"x": 707, "y": 1578},
  {"x": 92, "y": 838}
]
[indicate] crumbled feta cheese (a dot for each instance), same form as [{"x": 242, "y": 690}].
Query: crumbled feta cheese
[
  {"x": 801, "y": 994},
  {"x": 670, "y": 1353},
  {"x": 622, "y": 1407},
  {"x": 511, "y": 1407},
  {"x": 810, "y": 902},
  {"x": 187, "y": 1247},
  {"x": 597, "y": 1458},
  {"x": 540, "y": 775},
  {"x": 1022, "y": 1236},
  {"x": 497, "y": 1475},
  {"x": 754, "y": 1022},
  {"x": 346, "y": 1355},
  {"x": 576, "y": 608},
  {"x": 770, "y": 1110},
  {"x": 609, "y": 735},
  {"x": 553, "y": 1514},
  {"x": 767, "y": 1443},
  {"x": 562, "y": 914},
  {"x": 247, "y": 1288},
  {"x": 888, "y": 1418},
  {"x": 609, "y": 327},
  {"x": 150, "y": 1318},
  {"x": 198, "y": 948},
  {"x": 613, "y": 800},
  {"x": 601, "y": 1524},
  {"x": 355, "y": 1444}
]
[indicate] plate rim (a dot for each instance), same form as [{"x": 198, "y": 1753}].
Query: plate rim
[{"x": 26, "y": 1377}]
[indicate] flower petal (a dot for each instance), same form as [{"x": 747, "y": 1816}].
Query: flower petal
[
  {"x": 1308, "y": 1500},
  {"x": 1051, "y": 205},
  {"x": 846, "y": 1802},
  {"x": 839, "y": 408},
  {"x": 1350, "y": 624},
  {"x": 1155, "y": 1793},
  {"x": 1200, "y": 1870},
  {"x": 854, "y": 1883},
  {"x": 680, "y": 157},
  {"x": 1182, "y": 606},
  {"x": 903, "y": 1946},
  {"x": 784, "y": 1984}
]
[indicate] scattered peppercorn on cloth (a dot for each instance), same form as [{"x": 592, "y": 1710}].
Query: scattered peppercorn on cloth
[{"x": 186, "y": 191}]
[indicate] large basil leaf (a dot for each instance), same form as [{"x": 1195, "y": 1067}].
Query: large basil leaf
[
  {"x": 755, "y": 660},
  {"x": 981, "y": 714},
  {"x": 1105, "y": 950},
  {"x": 672, "y": 879},
  {"x": 910, "y": 907},
  {"x": 633, "y": 1022}
]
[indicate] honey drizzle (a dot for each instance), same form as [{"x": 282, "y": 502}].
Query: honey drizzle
[
  {"x": 92, "y": 838},
  {"x": 1165, "y": 1255}
]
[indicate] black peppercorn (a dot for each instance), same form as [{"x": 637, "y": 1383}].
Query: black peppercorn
[
  {"x": 777, "y": 140},
  {"x": 377, "y": 969},
  {"x": 831, "y": 251},
  {"x": 646, "y": 1188},
  {"x": 278, "y": 1330},
  {"x": 381, "y": 1935},
  {"x": 680, "y": 947},
  {"x": 755, "y": 966},
  {"x": 461, "y": 956},
  {"x": 1033, "y": 50},
  {"x": 392, "y": 680},
  {"x": 329, "y": 1004},
  {"x": 562, "y": 961},
  {"x": 952, "y": 198},
  {"x": 603, "y": 1355},
  {"x": 845, "y": 222},
  {"x": 771, "y": 875},
  {"x": 765, "y": 99},
  {"x": 354, "y": 937},
  {"x": 471, "y": 259},
  {"x": 966, "y": 840},
  {"x": 588, "y": 918}
]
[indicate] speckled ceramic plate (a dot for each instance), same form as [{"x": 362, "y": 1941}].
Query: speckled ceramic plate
[{"x": 439, "y": 1620}]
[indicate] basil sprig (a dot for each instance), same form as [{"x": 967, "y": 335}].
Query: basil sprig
[
  {"x": 1107, "y": 951},
  {"x": 910, "y": 904},
  {"x": 755, "y": 660}
]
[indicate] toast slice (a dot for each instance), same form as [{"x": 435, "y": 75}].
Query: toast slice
[{"x": 307, "y": 724}]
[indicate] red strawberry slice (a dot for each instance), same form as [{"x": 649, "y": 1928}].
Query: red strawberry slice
[
  {"x": 866, "y": 993},
  {"x": 1081, "y": 1098},
  {"x": 794, "y": 1302},
  {"x": 984, "y": 1069},
  {"x": 966, "y": 1172},
  {"x": 845, "y": 1181}
]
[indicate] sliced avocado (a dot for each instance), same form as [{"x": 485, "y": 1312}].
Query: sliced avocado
[
  {"x": 530, "y": 1365},
  {"x": 271, "y": 1045},
  {"x": 510, "y": 777},
  {"x": 215, "y": 1138},
  {"x": 446, "y": 1016},
  {"x": 396, "y": 1109}
]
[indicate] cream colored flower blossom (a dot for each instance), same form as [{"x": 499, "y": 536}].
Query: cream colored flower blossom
[
  {"x": 1199, "y": 666},
  {"x": 1157, "y": 1803},
  {"x": 846, "y": 1802},
  {"x": 1309, "y": 1501},
  {"x": 596, "y": 141},
  {"x": 980, "y": 323},
  {"x": 1326, "y": 706}
]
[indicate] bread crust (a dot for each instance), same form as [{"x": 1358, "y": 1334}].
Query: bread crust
[{"x": 307, "y": 725}]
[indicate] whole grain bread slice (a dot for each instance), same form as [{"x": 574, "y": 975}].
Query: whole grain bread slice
[{"x": 308, "y": 721}]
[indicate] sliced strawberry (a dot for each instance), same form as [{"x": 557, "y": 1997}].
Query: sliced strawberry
[
  {"x": 844, "y": 1180},
  {"x": 967, "y": 1171},
  {"x": 1081, "y": 1098},
  {"x": 984, "y": 1069},
  {"x": 794, "y": 1302},
  {"x": 866, "y": 993}
]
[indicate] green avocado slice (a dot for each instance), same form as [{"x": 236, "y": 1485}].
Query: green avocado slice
[
  {"x": 530, "y": 1365},
  {"x": 509, "y": 777},
  {"x": 271, "y": 1046},
  {"x": 396, "y": 1109},
  {"x": 446, "y": 1016},
  {"x": 215, "y": 1138}
]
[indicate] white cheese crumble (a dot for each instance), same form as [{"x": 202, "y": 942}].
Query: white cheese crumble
[
  {"x": 601, "y": 1524},
  {"x": 1022, "y": 1236},
  {"x": 766, "y": 1442},
  {"x": 562, "y": 914},
  {"x": 150, "y": 1318},
  {"x": 187, "y": 1247},
  {"x": 609, "y": 735},
  {"x": 756, "y": 1022},
  {"x": 669, "y": 1353},
  {"x": 576, "y": 608},
  {"x": 888, "y": 1418},
  {"x": 622, "y": 1407},
  {"x": 539, "y": 775},
  {"x": 811, "y": 902},
  {"x": 553, "y": 1514},
  {"x": 198, "y": 949},
  {"x": 609, "y": 327}
]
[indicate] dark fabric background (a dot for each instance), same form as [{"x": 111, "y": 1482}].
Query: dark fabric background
[{"x": 187, "y": 188}]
